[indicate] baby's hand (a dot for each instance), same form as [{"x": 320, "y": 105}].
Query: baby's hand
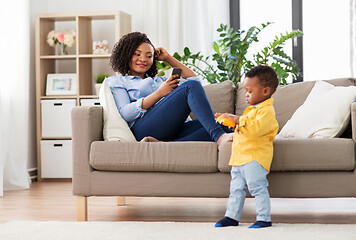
[{"x": 227, "y": 119}]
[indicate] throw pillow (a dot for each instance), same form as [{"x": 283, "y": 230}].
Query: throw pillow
[
  {"x": 115, "y": 127},
  {"x": 241, "y": 104},
  {"x": 220, "y": 96},
  {"x": 324, "y": 114}
]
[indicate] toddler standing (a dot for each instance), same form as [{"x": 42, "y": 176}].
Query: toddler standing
[{"x": 252, "y": 148}]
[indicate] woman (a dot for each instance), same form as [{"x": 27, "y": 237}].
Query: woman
[{"x": 157, "y": 107}]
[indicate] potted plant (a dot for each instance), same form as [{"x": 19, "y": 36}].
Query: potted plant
[
  {"x": 231, "y": 59},
  {"x": 99, "y": 80}
]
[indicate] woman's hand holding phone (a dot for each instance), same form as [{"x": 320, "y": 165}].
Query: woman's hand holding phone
[{"x": 169, "y": 85}]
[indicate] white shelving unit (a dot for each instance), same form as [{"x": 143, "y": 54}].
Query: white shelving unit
[{"x": 53, "y": 112}]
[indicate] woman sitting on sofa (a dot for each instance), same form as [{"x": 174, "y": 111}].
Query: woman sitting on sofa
[{"x": 156, "y": 108}]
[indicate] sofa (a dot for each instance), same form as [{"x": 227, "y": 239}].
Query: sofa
[{"x": 301, "y": 167}]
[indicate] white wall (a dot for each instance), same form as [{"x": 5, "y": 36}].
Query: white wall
[{"x": 155, "y": 18}]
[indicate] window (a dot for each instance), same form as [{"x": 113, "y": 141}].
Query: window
[
  {"x": 324, "y": 51},
  {"x": 326, "y": 39},
  {"x": 285, "y": 15}
]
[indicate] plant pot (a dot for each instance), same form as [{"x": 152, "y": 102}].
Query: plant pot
[{"x": 97, "y": 88}]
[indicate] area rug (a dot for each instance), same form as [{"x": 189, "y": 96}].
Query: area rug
[{"x": 53, "y": 230}]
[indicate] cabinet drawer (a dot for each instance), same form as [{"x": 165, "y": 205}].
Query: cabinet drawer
[
  {"x": 56, "y": 158},
  {"x": 56, "y": 117},
  {"x": 90, "y": 102}
]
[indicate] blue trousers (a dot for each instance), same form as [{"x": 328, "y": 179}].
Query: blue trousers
[
  {"x": 251, "y": 176},
  {"x": 166, "y": 120}
]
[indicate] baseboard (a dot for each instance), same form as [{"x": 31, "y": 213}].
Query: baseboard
[{"x": 33, "y": 174}]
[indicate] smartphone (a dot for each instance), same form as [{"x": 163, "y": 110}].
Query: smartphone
[{"x": 177, "y": 71}]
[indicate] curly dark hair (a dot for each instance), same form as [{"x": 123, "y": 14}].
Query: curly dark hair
[
  {"x": 124, "y": 49},
  {"x": 266, "y": 76}
]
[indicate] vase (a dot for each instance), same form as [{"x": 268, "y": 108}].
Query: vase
[
  {"x": 97, "y": 88},
  {"x": 62, "y": 49}
]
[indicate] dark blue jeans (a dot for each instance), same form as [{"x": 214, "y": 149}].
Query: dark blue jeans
[{"x": 166, "y": 120}]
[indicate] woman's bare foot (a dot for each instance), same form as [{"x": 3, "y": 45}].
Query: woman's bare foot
[
  {"x": 226, "y": 137},
  {"x": 150, "y": 139}
]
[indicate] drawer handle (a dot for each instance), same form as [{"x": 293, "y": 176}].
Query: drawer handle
[
  {"x": 57, "y": 104},
  {"x": 58, "y": 145},
  {"x": 96, "y": 103}
]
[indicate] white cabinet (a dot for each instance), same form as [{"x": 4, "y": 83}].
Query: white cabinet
[
  {"x": 56, "y": 117},
  {"x": 56, "y": 158},
  {"x": 89, "y": 102}
]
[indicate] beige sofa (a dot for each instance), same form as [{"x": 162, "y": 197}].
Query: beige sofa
[{"x": 300, "y": 167}]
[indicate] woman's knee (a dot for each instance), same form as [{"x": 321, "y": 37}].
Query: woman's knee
[{"x": 192, "y": 83}]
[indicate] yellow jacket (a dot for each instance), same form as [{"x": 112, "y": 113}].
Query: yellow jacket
[{"x": 253, "y": 138}]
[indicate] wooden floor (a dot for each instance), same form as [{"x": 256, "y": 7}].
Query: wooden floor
[{"x": 54, "y": 201}]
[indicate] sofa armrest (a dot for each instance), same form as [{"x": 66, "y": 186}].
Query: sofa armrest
[
  {"x": 353, "y": 121},
  {"x": 87, "y": 126}
]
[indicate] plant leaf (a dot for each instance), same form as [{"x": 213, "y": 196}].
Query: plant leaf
[
  {"x": 177, "y": 56},
  {"x": 216, "y": 48},
  {"x": 187, "y": 52}
]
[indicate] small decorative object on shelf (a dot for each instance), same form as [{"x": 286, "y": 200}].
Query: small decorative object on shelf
[
  {"x": 101, "y": 47},
  {"x": 62, "y": 84},
  {"x": 63, "y": 39},
  {"x": 98, "y": 81}
]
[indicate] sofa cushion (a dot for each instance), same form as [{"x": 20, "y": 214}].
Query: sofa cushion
[
  {"x": 324, "y": 114},
  {"x": 220, "y": 96},
  {"x": 336, "y": 154},
  {"x": 287, "y": 98},
  {"x": 115, "y": 127},
  {"x": 154, "y": 157}
]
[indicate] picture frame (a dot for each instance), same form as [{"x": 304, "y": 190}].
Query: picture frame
[{"x": 62, "y": 84}]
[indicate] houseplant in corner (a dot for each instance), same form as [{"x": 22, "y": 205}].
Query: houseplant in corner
[{"x": 231, "y": 59}]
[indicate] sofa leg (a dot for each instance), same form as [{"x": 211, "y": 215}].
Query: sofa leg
[
  {"x": 82, "y": 208},
  {"x": 121, "y": 201}
]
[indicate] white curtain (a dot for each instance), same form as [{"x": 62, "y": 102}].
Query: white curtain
[
  {"x": 175, "y": 24},
  {"x": 353, "y": 37},
  {"x": 14, "y": 93}
]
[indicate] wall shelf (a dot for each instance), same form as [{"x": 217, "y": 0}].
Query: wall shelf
[
  {"x": 58, "y": 57},
  {"x": 94, "y": 56}
]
